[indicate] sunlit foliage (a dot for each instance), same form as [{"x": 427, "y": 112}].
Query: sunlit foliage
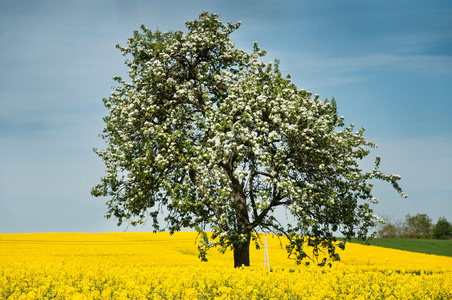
[{"x": 212, "y": 137}]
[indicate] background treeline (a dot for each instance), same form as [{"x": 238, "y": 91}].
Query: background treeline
[{"x": 418, "y": 226}]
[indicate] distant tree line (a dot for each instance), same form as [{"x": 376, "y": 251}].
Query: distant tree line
[{"x": 419, "y": 226}]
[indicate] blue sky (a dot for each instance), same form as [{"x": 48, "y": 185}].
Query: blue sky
[{"x": 388, "y": 64}]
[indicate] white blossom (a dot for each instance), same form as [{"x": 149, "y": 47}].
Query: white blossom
[{"x": 238, "y": 128}]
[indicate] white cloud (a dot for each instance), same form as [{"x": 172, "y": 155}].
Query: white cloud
[
  {"x": 423, "y": 162},
  {"x": 322, "y": 71},
  {"x": 437, "y": 65}
]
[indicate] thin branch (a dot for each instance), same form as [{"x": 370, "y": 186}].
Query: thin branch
[
  {"x": 253, "y": 202},
  {"x": 276, "y": 201},
  {"x": 264, "y": 174},
  {"x": 202, "y": 189}
]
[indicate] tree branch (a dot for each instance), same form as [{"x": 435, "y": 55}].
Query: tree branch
[
  {"x": 253, "y": 202},
  {"x": 274, "y": 203},
  {"x": 202, "y": 189}
]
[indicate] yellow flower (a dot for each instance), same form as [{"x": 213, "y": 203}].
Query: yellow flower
[{"x": 160, "y": 266}]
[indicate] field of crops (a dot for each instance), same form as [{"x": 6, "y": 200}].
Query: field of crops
[
  {"x": 160, "y": 266},
  {"x": 430, "y": 246}
]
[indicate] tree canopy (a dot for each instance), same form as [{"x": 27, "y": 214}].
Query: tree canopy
[
  {"x": 213, "y": 138},
  {"x": 442, "y": 229},
  {"x": 418, "y": 226}
]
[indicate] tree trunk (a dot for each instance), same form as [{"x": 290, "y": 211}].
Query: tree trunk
[
  {"x": 241, "y": 250},
  {"x": 242, "y": 254}
]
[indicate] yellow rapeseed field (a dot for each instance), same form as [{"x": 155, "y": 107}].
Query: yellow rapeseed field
[{"x": 160, "y": 266}]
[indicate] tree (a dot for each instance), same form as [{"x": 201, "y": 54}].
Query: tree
[
  {"x": 390, "y": 229},
  {"x": 418, "y": 226},
  {"x": 442, "y": 229},
  {"x": 213, "y": 138}
]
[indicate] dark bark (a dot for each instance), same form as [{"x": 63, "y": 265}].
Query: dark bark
[
  {"x": 242, "y": 254},
  {"x": 241, "y": 250}
]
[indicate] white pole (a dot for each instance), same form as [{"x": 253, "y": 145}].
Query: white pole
[
  {"x": 265, "y": 250},
  {"x": 266, "y": 257}
]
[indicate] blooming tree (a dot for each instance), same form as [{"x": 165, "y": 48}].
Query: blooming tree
[{"x": 213, "y": 138}]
